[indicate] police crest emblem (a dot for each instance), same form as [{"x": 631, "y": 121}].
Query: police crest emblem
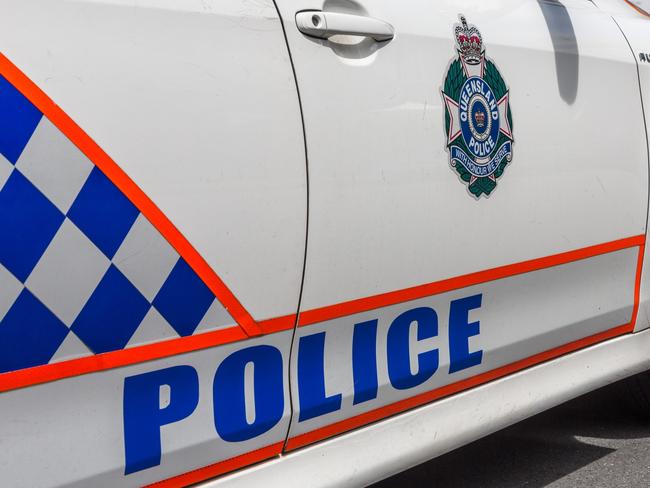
[{"x": 478, "y": 121}]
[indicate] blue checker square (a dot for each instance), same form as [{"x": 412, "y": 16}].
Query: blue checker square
[
  {"x": 18, "y": 121},
  {"x": 103, "y": 213},
  {"x": 183, "y": 299},
  {"x": 112, "y": 314},
  {"x": 28, "y": 222},
  {"x": 29, "y": 334}
]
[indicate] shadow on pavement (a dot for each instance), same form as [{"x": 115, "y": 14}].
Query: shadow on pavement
[{"x": 565, "y": 447}]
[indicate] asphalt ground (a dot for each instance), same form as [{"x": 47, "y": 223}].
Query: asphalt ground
[{"x": 594, "y": 441}]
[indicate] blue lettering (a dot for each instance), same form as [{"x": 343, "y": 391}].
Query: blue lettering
[
  {"x": 235, "y": 420},
  {"x": 143, "y": 416},
  {"x": 229, "y": 393},
  {"x": 460, "y": 330},
  {"x": 364, "y": 361},
  {"x": 311, "y": 379},
  {"x": 399, "y": 369}
]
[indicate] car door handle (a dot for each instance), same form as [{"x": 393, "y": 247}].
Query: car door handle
[{"x": 327, "y": 24}]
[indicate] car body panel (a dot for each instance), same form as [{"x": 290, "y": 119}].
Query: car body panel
[
  {"x": 388, "y": 216},
  {"x": 134, "y": 74},
  {"x": 116, "y": 213},
  {"x": 385, "y": 201},
  {"x": 248, "y": 242}
]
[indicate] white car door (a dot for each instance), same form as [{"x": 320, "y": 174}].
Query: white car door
[
  {"x": 152, "y": 221},
  {"x": 477, "y": 197}
]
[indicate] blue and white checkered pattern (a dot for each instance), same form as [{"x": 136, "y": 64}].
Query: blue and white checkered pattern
[{"x": 82, "y": 271}]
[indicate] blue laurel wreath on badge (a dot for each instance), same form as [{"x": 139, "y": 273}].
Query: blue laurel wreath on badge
[{"x": 478, "y": 120}]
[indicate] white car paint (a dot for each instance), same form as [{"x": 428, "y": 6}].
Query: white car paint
[
  {"x": 312, "y": 203},
  {"x": 383, "y": 211},
  {"x": 386, "y": 212},
  {"x": 200, "y": 127}
]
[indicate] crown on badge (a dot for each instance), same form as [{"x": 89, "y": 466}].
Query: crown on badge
[
  {"x": 469, "y": 42},
  {"x": 479, "y": 117}
]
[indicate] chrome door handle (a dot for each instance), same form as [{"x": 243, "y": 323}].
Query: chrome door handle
[{"x": 327, "y": 24}]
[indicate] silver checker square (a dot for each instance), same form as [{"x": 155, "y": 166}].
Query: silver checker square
[
  {"x": 55, "y": 165},
  {"x": 145, "y": 257},
  {"x": 68, "y": 272}
]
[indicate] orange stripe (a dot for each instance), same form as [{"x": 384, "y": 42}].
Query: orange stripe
[
  {"x": 221, "y": 467},
  {"x": 116, "y": 359},
  {"x": 409, "y": 403},
  {"x": 278, "y": 324},
  {"x": 385, "y": 299},
  {"x": 637, "y": 8},
  {"x": 103, "y": 161},
  {"x": 637, "y": 285}
]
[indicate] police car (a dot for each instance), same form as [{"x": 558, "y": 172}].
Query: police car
[{"x": 257, "y": 243}]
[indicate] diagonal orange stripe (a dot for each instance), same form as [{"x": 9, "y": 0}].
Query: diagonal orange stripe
[{"x": 104, "y": 162}]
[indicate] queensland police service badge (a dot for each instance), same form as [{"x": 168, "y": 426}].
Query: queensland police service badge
[{"x": 478, "y": 122}]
